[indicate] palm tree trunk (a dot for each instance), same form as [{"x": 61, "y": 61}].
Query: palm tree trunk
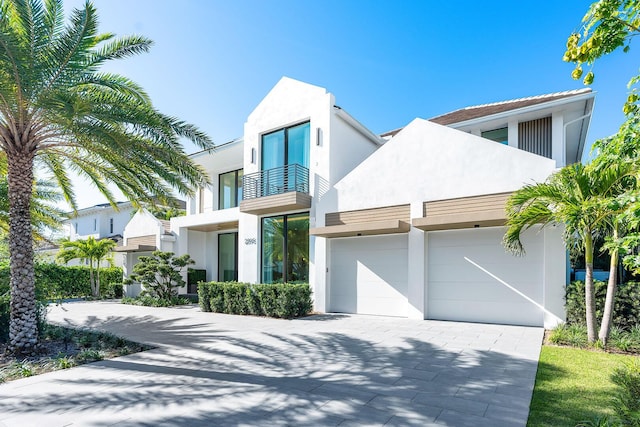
[
  {"x": 98, "y": 280},
  {"x": 91, "y": 279},
  {"x": 589, "y": 290},
  {"x": 612, "y": 287},
  {"x": 23, "y": 327}
]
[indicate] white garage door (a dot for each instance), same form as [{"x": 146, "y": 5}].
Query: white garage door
[
  {"x": 459, "y": 290},
  {"x": 368, "y": 275}
]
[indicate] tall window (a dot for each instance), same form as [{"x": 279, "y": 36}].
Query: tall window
[
  {"x": 227, "y": 257},
  {"x": 95, "y": 224},
  {"x": 111, "y": 225},
  {"x": 230, "y": 189},
  {"x": 285, "y": 248},
  {"x": 286, "y": 147}
]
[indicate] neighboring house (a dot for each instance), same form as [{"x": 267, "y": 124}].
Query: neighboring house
[
  {"x": 408, "y": 223},
  {"x": 99, "y": 221},
  {"x": 143, "y": 235}
]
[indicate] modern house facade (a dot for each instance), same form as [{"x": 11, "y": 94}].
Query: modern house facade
[{"x": 408, "y": 223}]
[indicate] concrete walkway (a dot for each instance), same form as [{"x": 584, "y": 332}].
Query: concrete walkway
[{"x": 212, "y": 369}]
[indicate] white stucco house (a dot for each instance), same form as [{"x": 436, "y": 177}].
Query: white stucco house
[
  {"x": 100, "y": 221},
  {"x": 408, "y": 223}
]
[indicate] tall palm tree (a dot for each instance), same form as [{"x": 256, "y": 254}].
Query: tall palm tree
[
  {"x": 59, "y": 112},
  {"x": 91, "y": 250},
  {"x": 575, "y": 196}
]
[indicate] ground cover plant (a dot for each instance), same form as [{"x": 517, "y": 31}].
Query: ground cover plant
[{"x": 63, "y": 348}]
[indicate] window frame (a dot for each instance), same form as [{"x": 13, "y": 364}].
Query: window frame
[
  {"x": 238, "y": 182},
  {"x": 285, "y": 244},
  {"x": 286, "y": 143},
  {"x": 505, "y": 128}
]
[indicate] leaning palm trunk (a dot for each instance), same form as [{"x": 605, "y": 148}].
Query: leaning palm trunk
[
  {"x": 589, "y": 290},
  {"x": 23, "y": 329},
  {"x": 612, "y": 288}
]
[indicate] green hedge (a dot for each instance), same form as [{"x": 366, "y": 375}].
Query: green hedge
[
  {"x": 54, "y": 281},
  {"x": 277, "y": 300},
  {"x": 626, "y": 311}
]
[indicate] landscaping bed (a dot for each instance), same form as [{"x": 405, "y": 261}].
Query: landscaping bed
[{"x": 62, "y": 348}]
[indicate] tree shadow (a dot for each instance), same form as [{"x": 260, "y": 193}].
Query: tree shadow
[{"x": 204, "y": 374}]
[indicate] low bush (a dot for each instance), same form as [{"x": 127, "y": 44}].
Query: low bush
[
  {"x": 571, "y": 335},
  {"x": 627, "y": 341},
  {"x": 626, "y": 311},
  {"x": 150, "y": 301},
  {"x": 277, "y": 300},
  {"x": 203, "y": 298},
  {"x": 235, "y": 298}
]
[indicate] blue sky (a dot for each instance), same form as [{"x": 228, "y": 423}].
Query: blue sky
[{"x": 386, "y": 62}]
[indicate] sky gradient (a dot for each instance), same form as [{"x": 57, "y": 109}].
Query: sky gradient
[{"x": 387, "y": 62}]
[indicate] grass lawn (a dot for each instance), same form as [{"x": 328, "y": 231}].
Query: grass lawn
[{"x": 573, "y": 385}]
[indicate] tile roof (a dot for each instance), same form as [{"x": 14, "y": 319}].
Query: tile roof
[{"x": 477, "y": 111}]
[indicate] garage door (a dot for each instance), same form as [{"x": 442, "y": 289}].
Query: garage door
[
  {"x": 459, "y": 286},
  {"x": 368, "y": 275}
]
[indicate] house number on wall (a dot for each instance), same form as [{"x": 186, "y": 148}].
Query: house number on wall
[{"x": 251, "y": 241}]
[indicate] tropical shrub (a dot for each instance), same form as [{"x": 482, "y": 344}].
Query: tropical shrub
[
  {"x": 626, "y": 312},
  {"x": 283, "y": 300},
  {"x": 627, "y": 400},
  {"x": 160, "y": 274}
]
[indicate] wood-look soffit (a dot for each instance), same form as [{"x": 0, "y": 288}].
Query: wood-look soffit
[
  {"x": 231, "y": 225},
  {"x": 372, "y": 228},
  {"x": 276, "y": 203},
  {"x": 365, "y": 222},
  {"x": 466, "y": 212}
]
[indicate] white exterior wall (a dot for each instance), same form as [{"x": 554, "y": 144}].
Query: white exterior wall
[
  {"x": 426, "y": 161},
  {"x": 289, "y": 103},
  {"x": 433, "y": 162},
  {"x": 101, "y": 214}
]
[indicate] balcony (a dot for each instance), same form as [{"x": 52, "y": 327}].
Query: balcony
[{"x": 281, "y": 189}]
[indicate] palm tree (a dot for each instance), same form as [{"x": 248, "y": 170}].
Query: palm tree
[
  {"x": 44, "y": 216},
  {"x": 622, "y": 170},
  {"x": 91, "y": 250},
  {"x": 575, "y": 196},
  {"x": 59, "y": 112}
]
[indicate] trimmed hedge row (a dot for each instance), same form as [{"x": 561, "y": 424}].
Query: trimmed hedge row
[
  {"x": 54, "y": 281},
  {"x": 283, "y": 300},
  {"x": 626, "y": 310}
]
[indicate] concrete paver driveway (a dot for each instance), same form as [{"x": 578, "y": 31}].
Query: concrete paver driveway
[{"x": 213, "y": 369}]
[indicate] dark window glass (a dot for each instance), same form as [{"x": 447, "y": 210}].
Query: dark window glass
[
  {"x": 227, "y": 257},
  {"x": 498, "y": 135},
  {"x": 285, "y": 248}
]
